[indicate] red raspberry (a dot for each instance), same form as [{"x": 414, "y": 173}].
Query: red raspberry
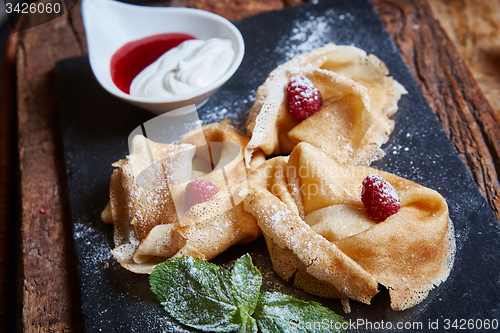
[
  {"x": 379, "y": 197},
  {"x": 198, "y": 191},
  {"x": 303, "y": 97}
]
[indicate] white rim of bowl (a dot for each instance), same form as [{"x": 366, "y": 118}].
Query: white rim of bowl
[{"x": 202, "y": 91}]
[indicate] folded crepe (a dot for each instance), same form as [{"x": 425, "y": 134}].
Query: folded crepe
[
  {"x": 220, "y": 132},
  {"x": 316, "y": 228},
  {"x": 353, "y": 122},
  {"x": 151, "y": 218}
]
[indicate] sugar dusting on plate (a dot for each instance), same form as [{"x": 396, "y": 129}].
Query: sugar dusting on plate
[
  {"x": 99, "y": 251},
  {"x": 233, "y": 108},
  {"x": 309, "y": 33}
]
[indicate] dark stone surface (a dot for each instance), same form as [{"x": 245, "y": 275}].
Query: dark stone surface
[{"x": 96, "y": 126}]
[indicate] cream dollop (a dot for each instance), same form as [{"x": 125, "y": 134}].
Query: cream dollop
[{"x": 192, "y": 65}]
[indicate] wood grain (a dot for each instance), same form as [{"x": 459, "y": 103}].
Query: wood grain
[
  {"x": 474, "y": 28},
  {"x": 49, "y": 288},
  {"x": 7, "y": 185},
  {"x": 236, "y": 10},
  {"x": 450, "y": 90},
  {"x": 50, "y": 284}
]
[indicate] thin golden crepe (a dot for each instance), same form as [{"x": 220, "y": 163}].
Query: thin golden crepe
[
  {"x": 341, "y": 253},
  {"x": 353, "y": 122},
  {"x": 147, "y": 206},
  {"x": 221, "y": 132}
]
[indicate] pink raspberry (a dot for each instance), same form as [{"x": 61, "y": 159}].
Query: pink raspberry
[
  {"x": 379, "y": 197},
  {"x": 198, "y": 191},
  {"x": 303, "y": 97}
]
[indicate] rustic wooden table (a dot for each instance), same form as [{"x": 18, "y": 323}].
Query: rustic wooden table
[{"x": 38, "y": 282}]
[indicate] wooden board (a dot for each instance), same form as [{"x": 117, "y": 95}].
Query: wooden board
[
  {"x": 418, "y": 149},
  {"x": 49, "y": 285},
  {"x": 474, "y": 26}
]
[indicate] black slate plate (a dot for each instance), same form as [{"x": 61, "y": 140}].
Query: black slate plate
[{"x": 95, "y": 127}]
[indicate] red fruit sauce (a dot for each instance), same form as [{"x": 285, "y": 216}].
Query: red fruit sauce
[{"x": 134, "y": 56}]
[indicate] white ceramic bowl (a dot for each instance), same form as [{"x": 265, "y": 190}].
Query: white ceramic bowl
[{"x": 110, "y": 24}]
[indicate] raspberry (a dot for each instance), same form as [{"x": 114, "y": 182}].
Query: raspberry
[
  {"x": 198, "y": 191},
  {"x": 379, "y": 197},
  {"x": 303, "y": 97}
]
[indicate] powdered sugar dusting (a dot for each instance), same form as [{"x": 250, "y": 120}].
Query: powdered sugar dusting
[
  {"x": 303, "y": 98},
  {"x": 379, "y": 197},
  {"x": 303, "y": 86},
  {"x": 386, "y": 190},
  {"x": 99, "y": 252},
  {"x": 231, "y": 107},
  {"x": 308, "y": 33}
]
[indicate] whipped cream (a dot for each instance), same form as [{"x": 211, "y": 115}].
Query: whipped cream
[{"x": 192, "y": 65}]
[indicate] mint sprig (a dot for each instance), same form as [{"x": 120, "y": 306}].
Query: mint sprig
[
  {"x": 277, "y": 312},
  {"x": 246, "y": 280},
  {"x": 196, "y": 293},
  {"x": 213, "y": 299}
]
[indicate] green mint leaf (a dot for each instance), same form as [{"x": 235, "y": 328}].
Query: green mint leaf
[
  {"x": 196, "y": 293},
  {"x": 246, "y": 280},
  {"x": 276, "y": 312},
  {"x": 249, "y": 325},
  {"x": 212, "y": 299}
]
